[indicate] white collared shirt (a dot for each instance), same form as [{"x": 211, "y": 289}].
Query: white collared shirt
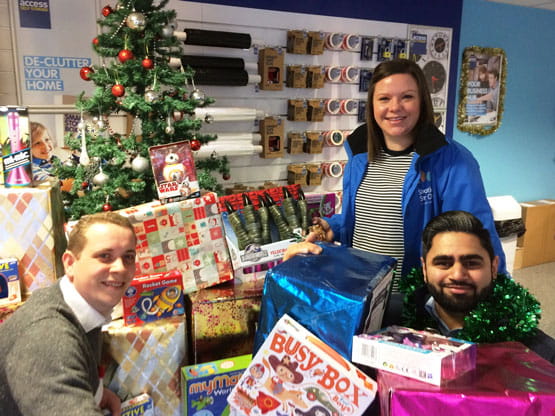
[
  {"x": 430, "y": 307},
  {"x": 87, "y": 316}
]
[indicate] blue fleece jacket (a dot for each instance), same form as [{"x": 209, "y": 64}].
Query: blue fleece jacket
[{"x": 443, "y": 176}]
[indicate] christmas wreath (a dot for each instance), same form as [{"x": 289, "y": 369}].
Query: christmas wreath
[{"x": 510, "y": 313}]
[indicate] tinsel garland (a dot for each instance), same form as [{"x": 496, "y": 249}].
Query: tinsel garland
[{"x": 511, "y": 312}]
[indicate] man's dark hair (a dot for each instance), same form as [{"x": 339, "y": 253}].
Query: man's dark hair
[{"x": 459, "y": 222}]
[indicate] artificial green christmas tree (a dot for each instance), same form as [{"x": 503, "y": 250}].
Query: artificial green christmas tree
[{"x": 138, "y": 77}]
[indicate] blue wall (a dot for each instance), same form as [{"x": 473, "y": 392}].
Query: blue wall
[{"x": 519, "y": 158}]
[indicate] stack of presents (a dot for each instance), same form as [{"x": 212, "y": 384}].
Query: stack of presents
[{"x": 214, "y": 323}]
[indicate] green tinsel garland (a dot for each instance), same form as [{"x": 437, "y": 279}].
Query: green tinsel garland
[{"x": 511, "y": 312}]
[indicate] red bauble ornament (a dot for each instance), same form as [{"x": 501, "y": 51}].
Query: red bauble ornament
[
  {"x": 147, "y": 63},
  {"x": 84, "y": 184},
  {"x": 95, "y": 41},
  {"x": 106, "y": 11},
  {"x": 125, "y": 55},
  {"x": 106, "y": 207},
  {"x": 226, "y": 176},
  {"x": 86, "y": 72},
  {"x": 118, "y": 90},
  {"x": 195, "y": 145}
]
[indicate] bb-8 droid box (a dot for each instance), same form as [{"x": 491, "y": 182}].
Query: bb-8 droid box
[{"x": 153, "y": 296}]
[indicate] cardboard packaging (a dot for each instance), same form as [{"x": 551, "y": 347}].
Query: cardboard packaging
[
  {"x": 296, "y": 76},
  {"x": 315, "y": 76},
  {"x": 314, "y": 174},
  {"x": 147, "y": 359},
  {"x": 15, "y": 145},
  {"x": 337, "y": 294},
  {"x": 297, "y": 373},
  {"x": 538, "y": 242},
  {"x": 509, "y": 380},
  {"x": 314, "y": 143},
  {"x": 316, "y": 43},
  {"x": 252, "y": 262},
  {"x": 271, "y": 68},
  {"x": 10, "y": 288},
  {"x": 187, "y": 236},
  {"x": 207, "y": 385},
  {"x": 315, "y": 110},
  {"x": 421, "y": 355},
  {"x": 32, "y": 224},
  {"x": 271, "y": 130},
  {"x": 222, "y": 320},
  {"x": 297, "y": 174},
  {"x": 153, "y": 296},
  {"x": 296, "y": 110},
  {"x": 297, "y": 41},
  {"x": 295, "y": 142}
]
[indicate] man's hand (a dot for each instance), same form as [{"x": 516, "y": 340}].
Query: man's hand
[
  {"x": 110, "y": 401},
  {"x": 305, "y": 247},
  {"x": 322, "y": 230}
]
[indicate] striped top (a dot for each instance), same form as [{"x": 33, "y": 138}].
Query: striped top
[{"x": 378, "y": 213}]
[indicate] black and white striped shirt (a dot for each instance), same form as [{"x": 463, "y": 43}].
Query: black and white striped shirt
[{"x": 378, "y": 214}]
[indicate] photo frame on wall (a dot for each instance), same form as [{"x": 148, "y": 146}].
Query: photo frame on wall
[{"x": 482, "y": 90}]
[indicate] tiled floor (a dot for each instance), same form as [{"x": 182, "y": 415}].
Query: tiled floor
[{"x": 540, "y": 281}]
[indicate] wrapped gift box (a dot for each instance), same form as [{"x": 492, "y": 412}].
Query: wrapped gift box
[
  {"x": 207, "y": 385},
  {"x": 31, "y": 220},
  {"x": 222, "y": 320},
  {"x": 147, "y": 359},
  {"x": 185, "y": 235},
  {"x": 337, "y": 294},
  {"x": 509, "y": 380},
  {"x": 296, "y": 373},
  {"x": 421, "y": 355}
]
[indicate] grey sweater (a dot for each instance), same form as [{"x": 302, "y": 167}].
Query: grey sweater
[{"x": 48, "y": 364}]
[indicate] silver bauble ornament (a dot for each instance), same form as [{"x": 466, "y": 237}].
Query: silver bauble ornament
[
  {"x": 101, "y": 124},
  {"x": 100, "y": 178},
  {"x": 167, "y": 31},
  {"x": 81, "y": 125},
  {"x": 198, "y": 96},
  {"x": 136, "y": 21},
  {"x": 169, "y": 129},
  {"x": 139, "y": 164},
  {"x": 69, "y": 163},
  {"x": 151, "y": 96},
  {"x": 208, "y": 118}
]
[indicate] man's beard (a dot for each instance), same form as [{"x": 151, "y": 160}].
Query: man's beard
[{"x": 460, "y": 303}]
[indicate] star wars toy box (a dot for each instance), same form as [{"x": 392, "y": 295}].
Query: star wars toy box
[
  {"x": 10, "y": 289},
  {"x": 174, "y": 171},
  {"x": 141, "y": 405},
  {"x": 420, "y": 355},
  {"x": 152, "y": 297},
  {"x": 294, "y": 372},
  {"x": 207, "y": 385},
  {"x": 15, "y": 146}
]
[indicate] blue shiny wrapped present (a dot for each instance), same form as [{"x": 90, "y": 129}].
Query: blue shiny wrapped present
[{"x": 337, "y": 294}]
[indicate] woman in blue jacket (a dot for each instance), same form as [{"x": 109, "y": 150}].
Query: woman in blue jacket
[{"x": 402, "y": 171}]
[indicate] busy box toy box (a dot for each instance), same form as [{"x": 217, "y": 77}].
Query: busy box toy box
[
  {"x": 10, "y": 290},
  {"x": 421, "y": 355},
  {"x": 207, "y": 385},
  {"x": 153, "y": 297},
  {"x": 295, "y": 373}
]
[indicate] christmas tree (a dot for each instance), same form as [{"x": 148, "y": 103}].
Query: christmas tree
[{"x": 137, "y": 77}]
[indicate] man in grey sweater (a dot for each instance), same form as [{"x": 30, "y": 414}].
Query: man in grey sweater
[{"x": 50, "y": 347}]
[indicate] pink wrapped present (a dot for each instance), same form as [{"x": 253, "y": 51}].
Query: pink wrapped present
[{"x": 509, "y": 380}]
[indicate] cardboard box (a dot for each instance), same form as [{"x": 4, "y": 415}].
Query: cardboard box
[
  {"x": 296, "y": 110},
  {"x": 271, "y": 68},
  {"x": 187, "y": 236},
  {"x": 316, "y": 43},
  {"x": 421, "y": 355},
  {"x": 142, "y": 405},
  {"x": 271, "y": 130},
  {"x": 295, "y": 142},
  {"x": 296, "y": 76},
  {"x": 222, "y": 320},
  {"x": 314, "y": 174},
  {"x": 10, "y": 288},
  {"x": 297, "y": 174},
  {"x": 295, "y": 372},
  {"x": 538, "y": 242},
  {"x": 314, "y": 143},
  {"x": 297, "y": 41},
  {"x": 207, "y": 385},
  {"x": 315, "y": 76},
  {"x": 315, "y": 110},
  {"x": 152, "y": 297}
]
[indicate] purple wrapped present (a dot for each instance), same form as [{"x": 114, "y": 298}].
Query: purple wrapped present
[{"x": 509, "y": 380}]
